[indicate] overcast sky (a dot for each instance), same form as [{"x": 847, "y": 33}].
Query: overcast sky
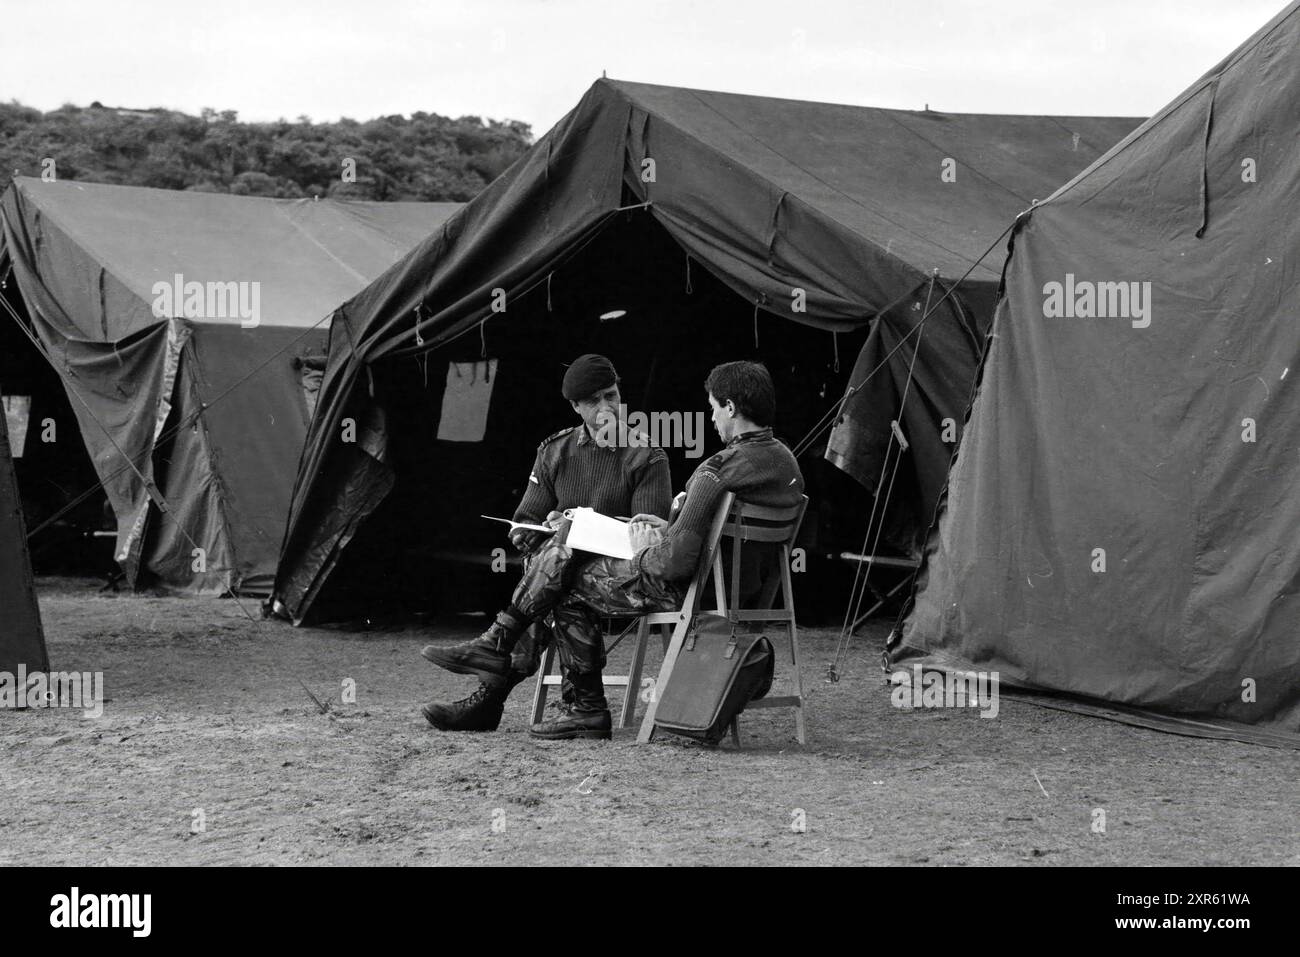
[{"x": 532, "y": 59}]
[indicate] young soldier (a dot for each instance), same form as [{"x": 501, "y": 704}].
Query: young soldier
[
  {"x": 576, "y": 590},
  {"x": 592, "y": 464}
]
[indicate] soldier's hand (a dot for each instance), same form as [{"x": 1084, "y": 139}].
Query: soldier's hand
[
  {"x": 553, "y": 519},
  {"x": 524, "y": 539},
  {"x": 642, "y": 535},
  {"x": 654, "y": 521}
]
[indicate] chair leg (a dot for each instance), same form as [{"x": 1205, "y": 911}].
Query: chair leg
[
  {"x": 633, "y": 690},
  {"x": 539, "y": 690},
  {"x": 665, "y": 672},
  {"x": 799, "y": 729}
]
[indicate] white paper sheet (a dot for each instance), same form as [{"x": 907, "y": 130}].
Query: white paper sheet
[{"x": 591, "y": 531}]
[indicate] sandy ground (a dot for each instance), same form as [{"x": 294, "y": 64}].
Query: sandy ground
[{"x": 205, "y": 711}]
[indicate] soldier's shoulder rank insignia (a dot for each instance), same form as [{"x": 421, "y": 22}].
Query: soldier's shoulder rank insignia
[{"x": 555, "y": 436}]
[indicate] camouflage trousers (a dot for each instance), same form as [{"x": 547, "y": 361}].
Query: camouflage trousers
[{"x": 567, "y": 593}]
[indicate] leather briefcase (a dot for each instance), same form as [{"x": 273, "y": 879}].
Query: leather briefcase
[{"x": 720, "y": 670}]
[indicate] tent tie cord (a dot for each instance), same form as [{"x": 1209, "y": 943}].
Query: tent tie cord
[
  {"x": 861, "y": 578},
  {"x": 1205, "y": 159},
  {"x": 689, "y": 289},
  {"x": 772, "y": 229},
  {"x": 800, "y": 447},
  {"x": 423, "y": 366},
  {"x": 853, "y": 608},
  {"x": 835, "y": 344},
  {"x": 549, "y": 277},
  {"x": 103, "y": 311}
]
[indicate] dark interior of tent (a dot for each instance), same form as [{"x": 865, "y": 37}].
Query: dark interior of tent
[
  {"x": 425, "y": 548},
  {"x": 63, "y": 505}
]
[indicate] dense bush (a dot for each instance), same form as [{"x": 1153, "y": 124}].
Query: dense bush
[{"x": 422, "y": 157}]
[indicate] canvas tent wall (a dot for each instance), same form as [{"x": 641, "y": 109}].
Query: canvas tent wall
[
  {"x": 709, "y": 216},
  {"x": 209, "y": 408},
  {"x": 1121, "y": 524}
]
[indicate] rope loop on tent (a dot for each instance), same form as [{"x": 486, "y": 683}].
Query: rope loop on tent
[
  {"x": 689, "y": 288},
  {"x": 419, "y": 339},
  {"x": 549, "y": 277},
  {"x": 835, "y": 344}
]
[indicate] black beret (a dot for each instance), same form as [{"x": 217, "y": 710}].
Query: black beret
[{"x": 587, "y": 375}]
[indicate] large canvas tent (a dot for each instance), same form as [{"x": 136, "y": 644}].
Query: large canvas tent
[
  {"x": 209, "y": 397},
  {"x": 719, "y": 226},
  {"x": 1120, "y": 527}
]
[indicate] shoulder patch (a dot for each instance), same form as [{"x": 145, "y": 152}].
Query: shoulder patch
[
  {"x": 556, "y": 435},
  {"x": 715, "y": 462}
]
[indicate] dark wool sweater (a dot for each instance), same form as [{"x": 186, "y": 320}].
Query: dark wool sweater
[
  {"x": 572, "y": 471},
  {"x": 757, "y": 467}
]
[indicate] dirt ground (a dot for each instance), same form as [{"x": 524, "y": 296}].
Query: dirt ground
[{"x": 205, "y": 711}]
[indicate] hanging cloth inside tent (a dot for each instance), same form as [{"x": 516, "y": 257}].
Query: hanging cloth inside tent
[
  {"x": 466, "y": 400},
  {"x": 18, "y": 410}
]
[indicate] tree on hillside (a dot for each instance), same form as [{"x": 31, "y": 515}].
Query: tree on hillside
[{"x": 424, "y": 157}]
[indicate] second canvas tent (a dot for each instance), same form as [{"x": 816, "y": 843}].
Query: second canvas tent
[{"x": 185, "y": 335}]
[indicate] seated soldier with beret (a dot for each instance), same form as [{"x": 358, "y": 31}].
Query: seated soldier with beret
[{"x": 592, "y": 465}]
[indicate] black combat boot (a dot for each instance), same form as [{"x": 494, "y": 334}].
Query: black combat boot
[
  {"x": 481, "y": 711},
  {"x": 588, "y": 717},
  {"x": 487, "y": 656}
]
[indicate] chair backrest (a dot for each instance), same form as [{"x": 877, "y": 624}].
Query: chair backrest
[
  {"x": 774, "y": 529},
  {"x": 708, "y": 555},
  {"x": 740, "y": 522}
]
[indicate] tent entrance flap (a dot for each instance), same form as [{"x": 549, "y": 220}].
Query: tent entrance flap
[
  {"x": 59, "y": 489},
  {"x": 22, "y": 640}
]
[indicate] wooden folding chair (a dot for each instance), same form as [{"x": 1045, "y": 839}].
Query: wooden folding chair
[
  {"x": 740, "y": 523},
  {"x": 630, "y": 682}
]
